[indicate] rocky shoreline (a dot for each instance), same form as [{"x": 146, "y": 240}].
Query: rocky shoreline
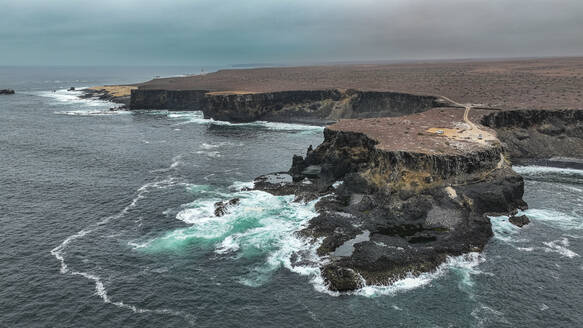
[
  {"x": 385, "y": 214},
  {"x": 109, "y": 93}
]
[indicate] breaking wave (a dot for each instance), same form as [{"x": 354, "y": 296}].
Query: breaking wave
[
  {"x": 73, "y": 97},
  {"x": 197, "y": 117},
  {"x": 534, "y": 170},
  {"x": 465, "y": 266},
  {"x": 261, "y": 227}
]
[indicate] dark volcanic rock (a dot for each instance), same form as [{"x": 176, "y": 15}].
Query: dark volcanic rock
[
  {"x": 539, "y": 134},
  {"x": 222, "y": 208},
  {"x": 167, "y": 99},
  {"x": 303, "y": 106},
  {"x": 103, "y": 94},
  {"x": 341, "y": 279},
  {"x": 415, "y": 209},
  {"x": 519, "y": 221},
  {"x": 6, "y": 92}
]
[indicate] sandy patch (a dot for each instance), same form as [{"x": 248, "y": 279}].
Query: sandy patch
[
  {"x": 116, "y": 90},
  {"x": 224, "y": 93}
]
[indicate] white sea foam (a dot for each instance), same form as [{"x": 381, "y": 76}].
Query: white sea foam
[
  {"x": 92, "y": 112},
  {"x": 465, "y": 264},
  {"x": 239, "y": 185},
  {"x": 555, "y": 218},
  {"x": 535, "y": 170},
  {"x": 197, "y": 117},
  {"x": 74, "y": 97},
  {"x": 486, "y": 316},
  {"x": 504, "y": 230},
  {"x": 176, "y": 162},
  {"x": 560, "y": 246}
]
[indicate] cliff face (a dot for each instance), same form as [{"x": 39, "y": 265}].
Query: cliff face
[
  {"x": 403, "y": 212},
  {"x": 314, "y": 106},
  {"x": 168, "y": 99},
  {"x": 286, "y": 106},
  {"x": 539, "y": 134}
]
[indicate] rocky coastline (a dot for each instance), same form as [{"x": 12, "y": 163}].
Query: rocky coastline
[
  {"x": 116, "y": 94},
  {"x": 384, "y": 214},
  {"x": 294, "y": 106},
  {"x": 401, "y": 181}
]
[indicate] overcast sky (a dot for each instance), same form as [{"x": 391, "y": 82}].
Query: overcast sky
[{"x": 224, "y": 32}]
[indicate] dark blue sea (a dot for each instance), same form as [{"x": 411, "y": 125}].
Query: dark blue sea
[{"x": 107, "y": 220}]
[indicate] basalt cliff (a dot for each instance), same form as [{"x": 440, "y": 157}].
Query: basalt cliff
[
  {"x": 540, "y": 136},
  {"x": 299, "y": 106}
]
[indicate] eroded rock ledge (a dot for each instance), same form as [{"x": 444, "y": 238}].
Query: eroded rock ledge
[
  {"x": 385, "y": 209},
  {"x": 539, "y": 135},
  {"x": 305, "y": 106}
]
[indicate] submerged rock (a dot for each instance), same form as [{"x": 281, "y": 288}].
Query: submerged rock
[
  {"x": 222, "y": 208},
  {"x": 519, "y": 221}
]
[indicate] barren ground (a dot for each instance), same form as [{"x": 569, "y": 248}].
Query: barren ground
[
  {"x": 548, "y": 83},
  {"x": 419, "y": 132}
]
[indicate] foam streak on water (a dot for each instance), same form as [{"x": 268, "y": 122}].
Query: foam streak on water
[
  {"x": 197, "y": 117},
  {"x": 80, "y": 106},
  {"x": 59, "y": 252}
]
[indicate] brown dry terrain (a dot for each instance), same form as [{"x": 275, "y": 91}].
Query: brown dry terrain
[
  {"x": 116, "y": 90},
  {"x": 548, "y": 83},
  {"x": 420, "y": 133}
]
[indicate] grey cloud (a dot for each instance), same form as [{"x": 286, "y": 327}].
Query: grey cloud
[{"x": 224, "y": 32}]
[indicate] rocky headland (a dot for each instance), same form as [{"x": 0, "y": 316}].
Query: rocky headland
[
  {"x": 396, "y": 197},
  {"x": 297, "y": 106},
  {"x": 120, "y": 94}
]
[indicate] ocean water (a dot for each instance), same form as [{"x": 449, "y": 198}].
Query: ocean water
[{"x": 107, "y": 219}]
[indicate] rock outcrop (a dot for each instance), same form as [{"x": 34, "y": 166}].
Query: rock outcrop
[
  {"x": 320, "y": 106},
  {"x": 108, "y": 94},
  {"x": 168, "y": 99},
  {"x": 386, "y": 213},
  {"x": 6, "y": 92},
  {"x": 531, "y": 135},
  {"x": 519, "y": 221}
]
